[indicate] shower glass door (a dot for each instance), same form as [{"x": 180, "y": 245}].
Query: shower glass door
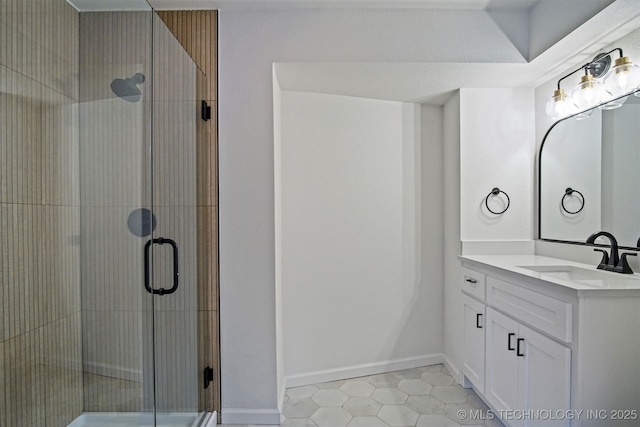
[
  {"x": 139, "y": 126},
  {"x": 173, "y": 361}
]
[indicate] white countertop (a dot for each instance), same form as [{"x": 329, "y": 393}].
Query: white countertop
[{"x": 560, "y": 271}]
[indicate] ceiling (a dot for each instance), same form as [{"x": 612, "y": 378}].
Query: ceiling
[
  {"x": 571, "y": 31},
  {"x": 389, "y": 4},
  {"x": 434, "y": 82},
  {"x": 104, "y": 5}
]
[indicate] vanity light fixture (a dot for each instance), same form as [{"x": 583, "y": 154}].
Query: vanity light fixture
[
  {"x": 559, "y": 105},
  {"x": 622, "y": 78},
  {"x": 588, "y": 92}
]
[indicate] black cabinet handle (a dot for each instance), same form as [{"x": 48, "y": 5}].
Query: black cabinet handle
[
  {"x": 471, "y": 280},
  {"x": 518, "y": 350},
  {"x": 478, "y": 317},
  {"x": 147, "y": 266},
  {"x": 509, "y": 344}
]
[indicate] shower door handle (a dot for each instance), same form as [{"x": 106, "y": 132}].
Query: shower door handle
[{"x": 147, "y": 266}]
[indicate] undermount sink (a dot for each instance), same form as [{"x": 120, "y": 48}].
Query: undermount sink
[{"x": 595, "y": 278}]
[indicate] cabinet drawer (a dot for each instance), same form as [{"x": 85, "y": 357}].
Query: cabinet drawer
[
  {"x": 473, "y": 283},
  {"x": 548, "y": 314}
]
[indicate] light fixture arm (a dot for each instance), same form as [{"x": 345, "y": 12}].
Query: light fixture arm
[
  {"x": 589, "y": 66},
  {"x": 582, "y": 67}
]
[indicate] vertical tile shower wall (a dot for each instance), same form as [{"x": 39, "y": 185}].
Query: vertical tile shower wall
[
  {"x": 115, "y": 171},
  {"x": 40, "y": 347},
  {"x": 72, "y": 167}
]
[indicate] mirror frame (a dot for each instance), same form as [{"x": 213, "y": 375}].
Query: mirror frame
[{"x": 539, "y": 159}]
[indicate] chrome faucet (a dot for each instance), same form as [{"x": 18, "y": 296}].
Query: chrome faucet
[{"x": 613, "y": 262}]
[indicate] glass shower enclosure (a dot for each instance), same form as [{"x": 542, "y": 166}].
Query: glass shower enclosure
[{"x": 102, "y": 320}]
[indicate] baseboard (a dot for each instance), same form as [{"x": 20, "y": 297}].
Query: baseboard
[
  {"x": 112, "y": 371},
  {"x": 250, "y": 416},
  {"x": 453, "y": 370},
  {"x": 362, "y": 370},
  {"x": 282, "y": 394},
  {"x": 272, "y": 416}
]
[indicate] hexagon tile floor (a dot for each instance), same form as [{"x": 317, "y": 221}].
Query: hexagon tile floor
[{"x": 421, "y": 397}]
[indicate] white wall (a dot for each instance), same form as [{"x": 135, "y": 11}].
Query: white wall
[
  {"x": 452, "y": 246},
  {"x": 250, "y": 41},
  {"x": 489, "y": 142},
  {"x": 433, "y": 195},
  {"x": 277, "y": 178},
  {"x": 356, "y": 294},
  {"x": 497, "y": 139}
]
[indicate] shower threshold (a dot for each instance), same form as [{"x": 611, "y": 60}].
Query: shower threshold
[{"x": 144, "y": 419}]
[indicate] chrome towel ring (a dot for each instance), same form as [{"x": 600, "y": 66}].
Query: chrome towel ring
[
  {"x": 569, "y": 192},
  {"x": 495, "y": 192}
]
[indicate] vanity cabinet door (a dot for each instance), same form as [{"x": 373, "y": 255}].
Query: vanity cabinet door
[
  {"x": 502, "y": 376},
  {"x": 474, "y": 327},
  {"x": 545, "y": 375},
  {"x": 527, "y": 373}
]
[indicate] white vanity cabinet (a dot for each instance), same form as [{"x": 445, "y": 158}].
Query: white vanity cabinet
[
  {"x": 544, "y": 352},
  {"x": 525, "y": 371},
  {"x": 473, "y": 363}
]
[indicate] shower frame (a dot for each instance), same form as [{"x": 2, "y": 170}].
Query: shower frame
[{"x": 173, "y": 136}]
